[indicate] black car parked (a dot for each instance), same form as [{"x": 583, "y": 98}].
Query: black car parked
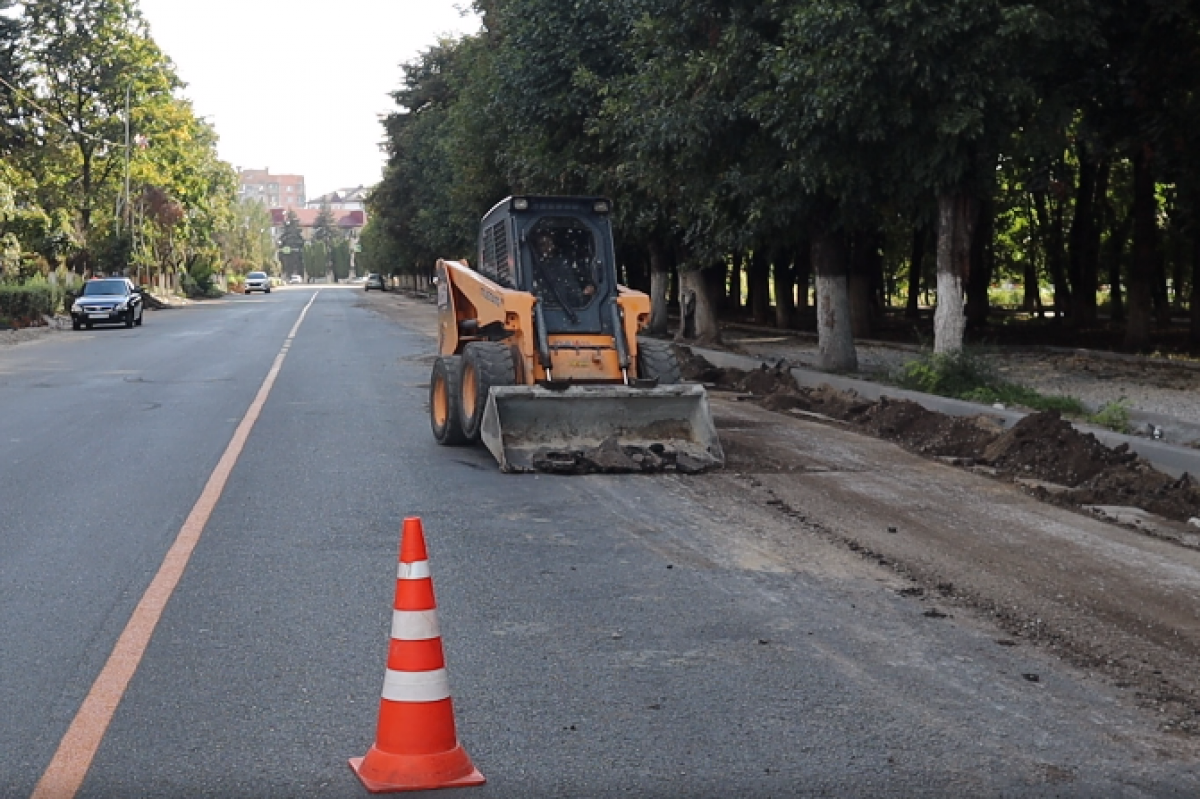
[{"x": 108, "y": 301}]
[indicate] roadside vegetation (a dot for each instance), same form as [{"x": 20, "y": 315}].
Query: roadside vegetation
[
  {"x": 967, "y": 375},
  {"x": 81, "y": 196},
  {"x": 953, "y": 170}
]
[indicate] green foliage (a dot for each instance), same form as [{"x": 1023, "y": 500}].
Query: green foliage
[
  {"x": 316, "y": 260},
  {"x": 84, "y": 68},
  {"x": 24, "y": 304},
  {"x": 963, "y": 375},
  {"x": 339, "y": 257},
  {"x": 199, "y": 279},
  {"x": 291, "y": 245},
  {"x": 1114, "y": 415}
]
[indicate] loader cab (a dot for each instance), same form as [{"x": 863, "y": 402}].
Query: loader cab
[{"x": 559, "y": 249}]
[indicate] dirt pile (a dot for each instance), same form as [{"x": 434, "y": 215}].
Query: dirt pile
[
  {"x": 1046, "y": 447},
  {"x": 1042, "y": 446}
]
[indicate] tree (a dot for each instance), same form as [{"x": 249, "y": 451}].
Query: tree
[
  {"x": 316, "y": 261},
  {"x": 87, "y": 60},
  {"x": 291, "y": 245},
  {"x": 246, "y": 242}
]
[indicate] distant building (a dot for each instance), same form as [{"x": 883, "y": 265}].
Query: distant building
[
  {"x": 351, "y": 222},
  {"x": 273, "y": 191},
  {"x": 343, "y": 199}
]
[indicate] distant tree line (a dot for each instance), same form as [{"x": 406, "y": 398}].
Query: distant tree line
[
  {"x": 104, "y": 166},
  {"x": 845, "y": 156}
]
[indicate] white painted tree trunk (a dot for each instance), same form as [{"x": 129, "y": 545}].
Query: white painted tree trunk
[
  {"x": 835, "y": 341},
  {"x": 698, "y": 318},
  {"x": 956, "y": 216}
]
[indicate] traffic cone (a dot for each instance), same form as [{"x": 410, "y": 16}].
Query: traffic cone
[{"x": 416, "y": 746}]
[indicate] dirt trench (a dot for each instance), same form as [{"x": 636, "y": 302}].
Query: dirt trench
[{"x": 1054, "y": 460}]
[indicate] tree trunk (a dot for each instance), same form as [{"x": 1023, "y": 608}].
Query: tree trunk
[
  {"x": 735, "y": 285},
  {"x": 956, "y": 217},
  {"x": 1050, "y": 226},
  {"x": 861, "y": 317},
  {"x": 85, "y": 208},
  {"x": 1084, "y": 252},
  {"x": 835, "y": 342},
  {"x": 760, "y": 287},
  {"x": 718, "y": 285},
  {"x": 697, "y": 311},
  {"x": 979, "y": 278},
  {"x": 1194, "y": 334},
  {"x": 916, "y": 261},
  {"x": 1158, "y": 288},
  {"x": 1145, "y": 248},
  {"x": 785, "y": 289},
  {"x": 1114, "y": 253},
  {"x": 660, "y": 280},
  {"x": 802, "y": 269}
]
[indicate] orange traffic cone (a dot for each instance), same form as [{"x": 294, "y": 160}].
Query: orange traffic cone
[{"x": 416, "y": 747}]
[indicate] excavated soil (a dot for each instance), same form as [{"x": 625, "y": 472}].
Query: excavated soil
[{"x": 1042, "y": 447}]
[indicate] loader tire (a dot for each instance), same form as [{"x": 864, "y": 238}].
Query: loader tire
[
  {"x": 484, "y": 364},
  {"x": 444, "y": 415},
  {"x": 656, "y": 361}
]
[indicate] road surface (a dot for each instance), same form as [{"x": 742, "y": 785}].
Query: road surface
[{"x": 605, "y": 635}]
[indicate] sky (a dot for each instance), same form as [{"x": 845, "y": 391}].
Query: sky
[{"x": 298, "y": 86}]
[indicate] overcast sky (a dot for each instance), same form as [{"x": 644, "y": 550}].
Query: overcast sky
[{"x": 298, "y": 86}]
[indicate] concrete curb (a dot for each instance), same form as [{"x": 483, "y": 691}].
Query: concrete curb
[{"x": 1168, "y": 458}]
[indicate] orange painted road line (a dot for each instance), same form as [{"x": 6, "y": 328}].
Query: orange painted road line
[{"x": 64, "y": 776}]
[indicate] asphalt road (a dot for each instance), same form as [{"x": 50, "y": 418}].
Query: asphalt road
[{"x": 605, "y": 635}]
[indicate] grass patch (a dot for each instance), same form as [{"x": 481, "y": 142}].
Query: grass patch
[{"x": 965, "y": 376}]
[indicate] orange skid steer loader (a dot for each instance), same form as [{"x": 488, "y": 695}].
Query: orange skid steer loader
[{"x": 539, "y": 357}]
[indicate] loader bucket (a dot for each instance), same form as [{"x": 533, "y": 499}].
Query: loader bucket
[{"x": 585, "y": 429}]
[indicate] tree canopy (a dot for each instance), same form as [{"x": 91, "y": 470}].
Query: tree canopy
[{"x": 827, "y": 146}]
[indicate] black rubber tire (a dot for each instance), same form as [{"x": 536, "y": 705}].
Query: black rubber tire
[
  {"x": 656, "y": 361},
  {"x": 444, "y": 416},
  {"x": 484, "y": 364},
  {"x": 129, "y": 319},
  {"x": 76, "y": 324},
  {"x": 88, "y": 325},
  {"x": 268, "y": 291},
  {"x": 140, "y": 317}
]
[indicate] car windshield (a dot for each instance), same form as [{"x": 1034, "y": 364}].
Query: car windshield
[
  {"x": 257, "y": 275},
  {"x": 100, "y": 287}
]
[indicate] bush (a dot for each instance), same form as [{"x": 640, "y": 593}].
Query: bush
[
  {"x": 22, "y": 306},
  {"x": 965, "y": 376},
  {"x": 1114, "y": 416}
]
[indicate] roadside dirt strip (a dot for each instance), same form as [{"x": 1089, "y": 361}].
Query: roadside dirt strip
[
  {"x": 1109, "y": 600},
  {"x": 1121, "y": 606}
]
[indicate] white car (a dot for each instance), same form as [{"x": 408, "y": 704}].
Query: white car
[
  {"x": 258, "y": 281},
  {"x": 295, "y": 279}
]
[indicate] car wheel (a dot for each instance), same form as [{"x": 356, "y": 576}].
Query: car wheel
[
  {"x": 268, "y": 291},
  {"x": 75, "y": 324},
  {"x": 443, "y": 401},
  {"x": 247, "y": 291},
  {"x": 88, "y": 324},
  {"x": 141, "y": 315},
  {"x": 484, "y": 364},
  {"x": 129, "y": 318}
]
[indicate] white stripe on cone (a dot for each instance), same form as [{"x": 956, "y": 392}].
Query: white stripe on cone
[
  {"x": 415, "y": 625},
  {"x": 416, "y": 686},
  {"x": 414, "y": 571}
]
